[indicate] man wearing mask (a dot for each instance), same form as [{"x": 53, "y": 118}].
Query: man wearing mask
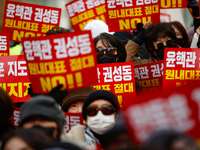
[{"x": 43, "y": 113}]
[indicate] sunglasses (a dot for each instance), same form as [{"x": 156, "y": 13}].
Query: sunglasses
[
  {"x": 105, "y": 109},
  {"x": 109, "y": 50},
  {"x": 169, "y": 43}
]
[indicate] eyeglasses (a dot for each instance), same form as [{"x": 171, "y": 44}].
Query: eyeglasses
[
  {"x": 105, "y": 109},
  {"x": 109, "y": 50},
  {"x": 169, "y": 43}
]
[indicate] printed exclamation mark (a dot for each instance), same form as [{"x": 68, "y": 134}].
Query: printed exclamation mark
[
  {"x": 179, "y": 3},
  {"x": 173, "y": 3},
  {"x": 70, "y": 81},
  {"x": 119, "y": 97},
  {"x": 78, "y": 79},
  {"x": 20, "y": 89}
]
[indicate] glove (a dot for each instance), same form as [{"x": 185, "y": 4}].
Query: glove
[
  {"x": 193, "y": 7},
  {"x": 58, "y": 94},
  {"x": 140, "y": 32},
  {"x": 30, "y": 91}
]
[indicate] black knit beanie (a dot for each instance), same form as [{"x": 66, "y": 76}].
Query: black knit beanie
[
  {"x": 99, "y": 94},
  {"x": 43, "y": 106}
]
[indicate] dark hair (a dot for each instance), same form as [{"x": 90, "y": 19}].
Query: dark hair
[
  {"x": 154, "y": 31},
  {"x": 183, "y": 32},
  {"x": 57, "y": 30},
  {"x": 33, "y": 137},
  {"x": 6, "y": 106},
  {"x": 115, "y": 42}
]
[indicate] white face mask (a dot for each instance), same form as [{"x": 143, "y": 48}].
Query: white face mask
[{"x": 101, "y": 123}]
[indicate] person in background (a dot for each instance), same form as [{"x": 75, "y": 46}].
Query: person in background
[
  {"x": 181, "y": 34},
  {"x": 100, "y": 111},
  {"x": 22, "y": 139},
  {"x": 6, "y": 111},
  {"x": 73, "y": 102},
  {"x": 43, "y": 113},
  {"x": 109, "y": 49},
  {"x": 124, "y": 36},
  {"x": 57, "y": 30}
]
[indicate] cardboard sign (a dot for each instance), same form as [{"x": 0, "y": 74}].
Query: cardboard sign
[
  {"x": 168, "y": 4},
  {"x": 72, "y": 119},
  {"x": 83, "y": 11},
  {"x": 119, "y": 79},
  {"x": 67, "y": 59},
  {"x": 149, "y": 75},
  {"x": 165, "y": 17},
  {"x": 14, "y": 77},
  {"x": 4, "y": 44},
  {"x": 180, "y": 66},
  {"x": 174, "y": 109},
  {"x": 15, "y": 118},
  {"x": 124, "y": 15},
  {"x": 29, "y": 20}
]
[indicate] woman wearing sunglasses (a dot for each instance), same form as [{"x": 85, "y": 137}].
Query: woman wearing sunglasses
[
  {"x": 100, "y": 113},
  {"x": 109, "y": 49},
  {"x": 157, "y": 38}
]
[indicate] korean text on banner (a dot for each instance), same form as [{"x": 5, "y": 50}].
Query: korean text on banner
[
  {"x": 168, "y": 4},
  {"x": 14, "y": 77},
  {"x": 180, "y": 66},
  {"x": 174, "y": 109},
  {"x": 119, "y": 79},
  {"x": 4, "y": 44},
  {"x": 28, "y": 20},
  {"x": 149, "y": 75},
  {"x": 83, "y": 11},
  {"x": 67, "y": 59},
  {"x": 15, "y": 118},
  {"x": 72, "y": 119},
  {"x": 124, "y": 15}
]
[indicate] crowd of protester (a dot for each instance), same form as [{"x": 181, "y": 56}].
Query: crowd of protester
[{"x": 42, "y": 120}]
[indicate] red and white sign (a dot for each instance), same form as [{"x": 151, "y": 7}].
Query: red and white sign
[
  {"x": 149, "y": 75},
  {"x": 14, "y": 77},
  {"x": 4, "y": 44},
  {"x": 83, "y": 11},
  {"x": 68, "y": 59},
  {"x": 72, "y": 119},
  {"x": 15, "y": 118},
  {"x": 174, "y": 109},
  {"x": 124, "y": 15},
  {"x": 180, "y": 66},
  {"x": 119, "y": 79},
  {"x": 165, "y": 17},
  {"x": 168, "y": 4},
  {"x": 28, "y": 20}
]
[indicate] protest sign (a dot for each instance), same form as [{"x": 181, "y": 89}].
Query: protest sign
[
  {"x": 28, "y": 20},
  {"x": 180, "y": 66},
  {"x": 72, "y": 119},
  {"x": 15, "y": 118},
  {"x": 67, "y": 59},
  {"x": 4, "y": 44},
  {"x": 119, "y": 79},
  {"x": 173, "y": 109},
  {"x": 83, "y": 11},
  {"x": 165, "y": 17},
  {"x": 149, "y": 75},
  {"x": 168, "y": 4},
  {"x": 14, "y": 77},
  {"x": 124, "y": 15}
]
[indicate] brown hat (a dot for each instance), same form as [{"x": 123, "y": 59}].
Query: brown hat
[{"x": 76, "y": 96}]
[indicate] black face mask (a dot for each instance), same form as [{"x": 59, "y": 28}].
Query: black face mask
[
  {"x": 180, "y": 42},
  {"x": 102, "y": 59},
  {"x": 160, "y": 52},
  {"x": 47, "y": 131}
]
